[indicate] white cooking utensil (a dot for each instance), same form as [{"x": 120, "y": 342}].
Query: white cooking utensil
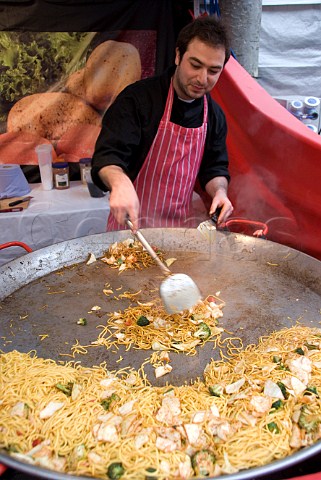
[{"x": 178, "y": 291}]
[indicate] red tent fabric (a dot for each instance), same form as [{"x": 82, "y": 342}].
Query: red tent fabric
[{"x": 275, "y": 162}]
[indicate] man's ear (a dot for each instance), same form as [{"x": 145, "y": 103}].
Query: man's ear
[{"x": 177, "y": 56}]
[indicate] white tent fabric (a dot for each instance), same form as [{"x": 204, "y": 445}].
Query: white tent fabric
[{"x": 290, "y": 50}]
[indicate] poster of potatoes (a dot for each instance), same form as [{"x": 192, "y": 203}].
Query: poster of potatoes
[{"x": 56, "y": 87}]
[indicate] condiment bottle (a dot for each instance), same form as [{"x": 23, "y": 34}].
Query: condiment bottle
[
  {"x": 84, "y": 165},
  {"x": 61, "y": 175},
  {"x": 311, "y": 106},
  {"x": 296, "y": 108}
]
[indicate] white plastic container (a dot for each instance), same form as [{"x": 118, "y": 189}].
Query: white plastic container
[
  {"x": 13, "y": 182},
  {"x": 44, "y": 153}
]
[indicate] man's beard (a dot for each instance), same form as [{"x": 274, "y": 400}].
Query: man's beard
[{"x": 185, "y": 91}]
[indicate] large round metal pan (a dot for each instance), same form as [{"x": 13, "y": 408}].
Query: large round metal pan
[{"x": 266, "y": 286}]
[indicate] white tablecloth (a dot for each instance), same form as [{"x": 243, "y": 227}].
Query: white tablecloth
[{"x": 53, "y": 216}]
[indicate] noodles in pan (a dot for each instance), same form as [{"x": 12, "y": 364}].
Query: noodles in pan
[
  {"x": 129, "y": 254},
  {"x": 262, "y": 404},
  {"x": 146, "y": 325},
  {"x": 253, "y": 406}
]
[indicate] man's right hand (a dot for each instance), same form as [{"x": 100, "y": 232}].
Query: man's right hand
[{"x": 123, "y": 197}]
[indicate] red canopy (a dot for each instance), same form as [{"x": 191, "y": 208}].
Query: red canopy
[{"x": 275, "y": 162}]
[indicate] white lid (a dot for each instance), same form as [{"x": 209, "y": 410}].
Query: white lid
[
  {"x": 311, "y": 101},
  {"x": 296, "y": 105}
]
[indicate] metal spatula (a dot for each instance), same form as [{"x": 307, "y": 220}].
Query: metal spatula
[
  {"x": 209, "y": 225},
  {"x": 178, "y": 291}
]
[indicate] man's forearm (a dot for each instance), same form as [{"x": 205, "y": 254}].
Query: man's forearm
[
  {"x": 123, "y": 198},
  {"x": 112, "y": 175},
  {"x": 216, "y": 184}
]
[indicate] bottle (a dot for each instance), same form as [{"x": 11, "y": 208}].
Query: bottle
[
  {"x": 84, "y": 164},
  {"x": 61, "y": 175},
  {"x": 311, "y": 105},
  {"x": 94, "y": 191},
  {"x": 296, "y": 108},
  {"x": 44, "y": 153}
]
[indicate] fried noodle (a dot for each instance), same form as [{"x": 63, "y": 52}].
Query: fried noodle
[{"x": 236, "y": 412}]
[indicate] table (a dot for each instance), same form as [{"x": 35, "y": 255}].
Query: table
[{"x": 53, "y": 216}]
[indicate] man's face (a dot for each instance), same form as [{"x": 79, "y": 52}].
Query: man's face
[{"x": 198, "y": 70}]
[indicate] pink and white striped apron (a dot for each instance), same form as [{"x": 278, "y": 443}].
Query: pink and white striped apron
[{"x": 166, "y": 180}]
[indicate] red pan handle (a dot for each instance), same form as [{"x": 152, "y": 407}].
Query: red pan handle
[
  {"x": 261, "y": 228},
  {"x": 15, "y": 244}
]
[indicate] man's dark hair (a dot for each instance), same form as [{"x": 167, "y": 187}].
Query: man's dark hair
[{"x": 209, "y": 29}]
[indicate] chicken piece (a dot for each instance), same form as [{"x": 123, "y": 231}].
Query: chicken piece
[
  {"x": 168, "y": 439},
  {"x": 162, "y": 370},
  {"x": 50, "y": 409},
  {"x": 240, "y": 367},
  {"x": 294, "y": 385},
  {"x": 185, "y": 470},
  {"x": 199, "y": 417},
  {"x": 227, "y": 466},
  {"x": 271, "y": 389},
  {"x": 164, "y": 356},
  {"x": 169, "y": 411},
  {"x": 142, "y": 437},
  {"x": 160, "y": 323},
  {"x": 126, "y": 407},
  {"x": 300, "y": 367},
  {"x": 247, "y": 419},
  {"x": 165, "y": 467},
  {"x": 95, "y": 458},
  {"x": 110, "y": 261},
  {"x": 235, "y": 387},
  {"x": 260, "y": 405},
  {"x": 296, "y": 437},
  {"x": 165, "y": 444},
  {"x": 79, "y": 452},
  {"x": 107, "y": 382},
  {"x": 42, "y": 455},
  {"x": 221, "y": 428},
  {"x": 105, "y": 432},
  {"x": 108, "y": 393},
  {"x": 214, "y": 410},
  {"x": 40, "y": 450},
  {"x": 110, "y": 417},
  {"x": 131, "y": 379},
  {"x": 130, "y": 425},
  {"x": 76, "y": 391},
  {"x": 20, "y": 409},
  {"x": 57, "y": 463},
  {"x": 193, "y": 432},
  {"x": 158, "y": 346}
]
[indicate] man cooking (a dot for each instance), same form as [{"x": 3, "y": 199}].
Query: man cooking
[{"x": 164, "y": 132}]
